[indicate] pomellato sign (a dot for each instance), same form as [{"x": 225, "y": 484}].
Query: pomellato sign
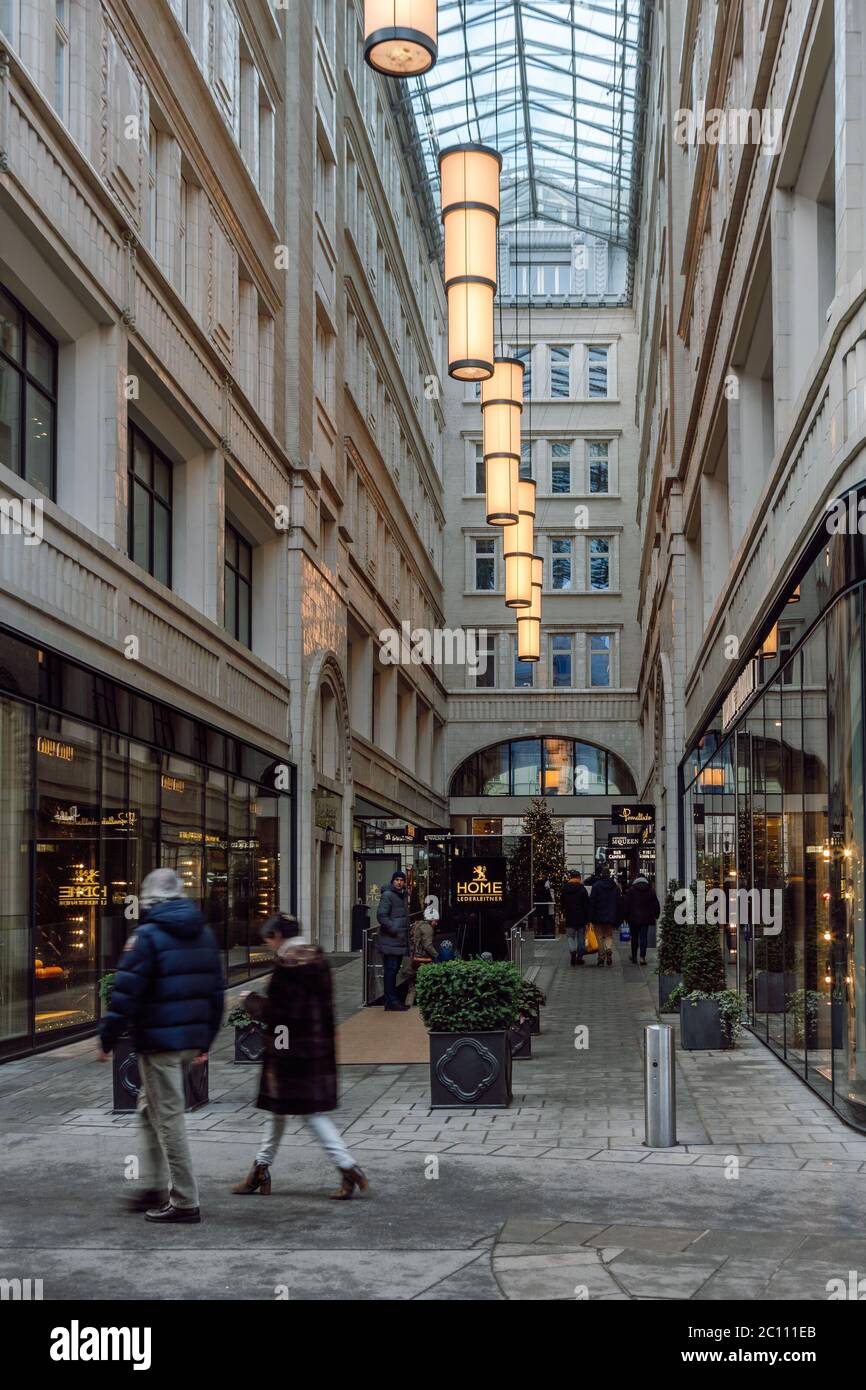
[
  {"x": 487, "y": 884},
  {"x": 633, "y": 815}
]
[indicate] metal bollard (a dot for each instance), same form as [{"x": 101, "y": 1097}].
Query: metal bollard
[{"x": 660, "y": 1097}]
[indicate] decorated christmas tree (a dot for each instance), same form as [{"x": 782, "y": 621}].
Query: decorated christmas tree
[{"x": 548, "y": 850}]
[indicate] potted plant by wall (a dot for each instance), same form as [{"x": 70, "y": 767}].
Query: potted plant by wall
[
  {"x": 531, "y": 999},
  {"x": 469, "y": 1007},
  {"x": 126, "y": 1081},
  {"x": 249, "y": 1035},
  {"x": 672, "y": 944},
  {"x": 710, "y": 1014},
  {"x": 773, "y": 983}
]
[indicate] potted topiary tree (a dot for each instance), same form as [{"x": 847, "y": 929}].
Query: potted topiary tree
[
  {"x": 249, "y": 1035},
  {"x": 672, "y": 944},
  {"x": 469, "y": 1007},
  {"x": 126, "y": 1081},
  {"x": 710, "y": 1014}
]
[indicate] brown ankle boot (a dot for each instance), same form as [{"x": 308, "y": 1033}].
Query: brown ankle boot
[
  {"x": 258, "y": 1179},
  {"x": 610, "y": 957},
  {"x": 351, "y": 1178}
]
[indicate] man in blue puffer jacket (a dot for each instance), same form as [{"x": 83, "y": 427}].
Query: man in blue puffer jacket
[{"x": 168, "y": 994}]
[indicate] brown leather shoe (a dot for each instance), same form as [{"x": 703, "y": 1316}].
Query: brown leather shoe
[
  {"x": 258, "y": 1179},
  {"x": 351, "y": 1178}
]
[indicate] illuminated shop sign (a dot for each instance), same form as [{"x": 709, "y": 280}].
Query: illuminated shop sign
[
  {"x": 112, "y": 820},
  {"x": 50, "y": 748},
  {"x": 633, "y": 815},
  {"x": 624, "y": 841},
  {"x": 486, "y": 885},
  {"x": 172, "y": 784},
  {"x": 85, "y": 890}
]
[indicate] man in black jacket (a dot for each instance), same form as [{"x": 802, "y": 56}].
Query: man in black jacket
[
  {"x": 641, "y": 909},
  {"x": 168, "y": 994},
  {"x": 605, "y": 913},
  {"x": 574, "y": 901},
  {"x": 392, "y": 915}
]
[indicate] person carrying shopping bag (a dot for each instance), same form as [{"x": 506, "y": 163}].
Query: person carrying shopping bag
[
  {"x": 574, "y": 901},
  {"x": 299, "y": 1064},
  {"x": 605, "y": 913}
]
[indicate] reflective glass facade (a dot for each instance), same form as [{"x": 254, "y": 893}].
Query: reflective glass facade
[
  {"x": 543, "y": 767},
  {"x": 99, "y": 785},
  {"x": 774, "y": 802}
]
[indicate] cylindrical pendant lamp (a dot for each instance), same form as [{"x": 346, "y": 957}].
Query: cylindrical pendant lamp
[
  {"x": 469, "y": 179},
  {"x": 528, "y": 638},
  {"x": 400, "y": 36},
  {"x": 501, "y": 409},
  {"x": 518, "y": 543},
  {"x": 503, "y": 479},
  {"x": 770, "y": 647}
]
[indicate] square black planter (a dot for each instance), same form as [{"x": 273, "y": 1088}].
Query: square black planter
[
  {"x": 249, "y": 1044},
  {"x": 771, "y": 990},
  {"x": 701, "y": 1027},
  {"x": 126, "y": 1079},
  {"x": 667, "y": 985},
  {"x": 472, "y": 1069},
  {"x": 521, "y": 1040},
  {"x": 534, "y": 1018}
]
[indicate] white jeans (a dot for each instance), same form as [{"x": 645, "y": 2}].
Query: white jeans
[{"x": 324, "y": 1129}]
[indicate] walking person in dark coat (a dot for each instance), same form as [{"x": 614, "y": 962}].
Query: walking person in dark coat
[
  {"x": 299, "y": 1066},
  {"x": 605, "y": 913},
  {"x": 168, "y": 993},
  {"x": 392, "y": 915},
  {"x": 641, "y": 908},
  {"x": 574, "y": 901}
]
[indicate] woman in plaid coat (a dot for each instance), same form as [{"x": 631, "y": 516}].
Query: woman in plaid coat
[{"x": 299, "y": 1065}]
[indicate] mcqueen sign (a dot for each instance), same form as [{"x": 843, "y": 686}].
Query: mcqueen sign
[{"x": 486, "y": 885}]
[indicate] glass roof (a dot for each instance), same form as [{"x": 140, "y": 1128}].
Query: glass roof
[{"x": 558, "y": 88}]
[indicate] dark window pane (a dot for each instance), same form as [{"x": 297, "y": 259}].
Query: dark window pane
[
  {"x": 161, "y": 478},
  {"x": 526, "y": 767},
  {"x": 10, "y": 329},
  {"x": 40, "y": 357},
  {"x": 493, "y": 771},
  {"x": 39, "y": 440},
  {"x": 10, "y": 423},
  {"x": 140, "y": 546},
  {"x": 245, "y": 559},
  {"x": 245, "y": 631},
  {"x": 231, "y": 546},
  {"x": 161, "y": 543},
  {"x": 141, "y": 457},
  {"x": 231, "y": 617}
]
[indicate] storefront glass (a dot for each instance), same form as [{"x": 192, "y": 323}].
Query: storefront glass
[
  {"x": 776, "y": 802},
  {"x": 88, "y": 811}
]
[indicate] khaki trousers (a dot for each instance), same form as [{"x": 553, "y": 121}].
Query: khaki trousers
[{"x": 166, "y": 1160}]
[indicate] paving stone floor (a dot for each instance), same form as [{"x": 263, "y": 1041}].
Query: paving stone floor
[{"x": 555, "y": 1198}]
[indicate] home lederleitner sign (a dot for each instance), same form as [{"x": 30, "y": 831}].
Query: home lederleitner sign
[{"x": 484, "y": 883}]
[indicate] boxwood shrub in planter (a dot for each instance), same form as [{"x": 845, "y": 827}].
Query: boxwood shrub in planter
[
  {"x": 249, "y": 1035},
  {"x": 531, "y": 1000},
  {"x": 672, "y": 945},
  {"x": 710, "y": 1014},
  {"x": 469, "y": 1008},
  {"x": 125, "y": 1076}
]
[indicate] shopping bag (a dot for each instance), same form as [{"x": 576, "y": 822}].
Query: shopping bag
[
  {"x": 591, "y": 941},
  {"x": 625, "y": 932}
]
